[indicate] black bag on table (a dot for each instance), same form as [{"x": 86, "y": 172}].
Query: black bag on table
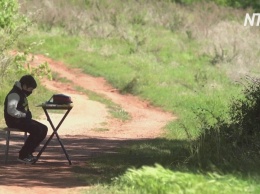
[{"x": 60, "y": 99}]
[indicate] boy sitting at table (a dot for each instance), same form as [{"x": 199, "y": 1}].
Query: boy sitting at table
[{"x": 18, "y": 115}]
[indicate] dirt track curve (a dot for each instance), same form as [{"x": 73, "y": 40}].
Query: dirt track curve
[{"x": 79, "y": 134}]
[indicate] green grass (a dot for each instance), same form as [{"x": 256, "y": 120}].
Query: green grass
[
  {"x": 176, "y": 182},
  {"x": 178, "y": 79},
  {"x": 161, "y": 180},
  {"x": 100, "y": 129},
  {"x": 114, "y": 109},
  {"x": 160, "y": 166},
  {"x": 57, "y": 77}
]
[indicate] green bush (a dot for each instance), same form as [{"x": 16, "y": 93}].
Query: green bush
[
  {"x": 158, "y": 180},
  {"x": 236, "y": 140},
  {"x": 254, "y": 4},
  {"x": 12, "y": 26},
  {"x": 8, "y": 13},
  {"x": 245, "y": 113}
]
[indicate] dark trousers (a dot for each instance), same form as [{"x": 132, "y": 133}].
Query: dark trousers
[{"x": 37, "y": 131}]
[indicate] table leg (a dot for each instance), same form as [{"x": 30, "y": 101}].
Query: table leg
[
  {"x": 64, "y": 150},
  {"x": 43, "y": 148},
  {"x": 56, "y": 133}
]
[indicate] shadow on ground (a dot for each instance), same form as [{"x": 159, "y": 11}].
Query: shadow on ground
[
  {"x": 95, "y": 160},
  {"x": 52, "y": 169}
]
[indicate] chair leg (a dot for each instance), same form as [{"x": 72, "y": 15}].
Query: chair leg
[
  {"x": 25, "y": 136},
  {"x": 7, "y": 146}
]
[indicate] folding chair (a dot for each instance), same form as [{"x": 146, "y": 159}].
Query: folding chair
[{"x": 8, "y": 135}]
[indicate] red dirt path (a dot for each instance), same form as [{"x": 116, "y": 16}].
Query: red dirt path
[{"x": 80, "y": 134}]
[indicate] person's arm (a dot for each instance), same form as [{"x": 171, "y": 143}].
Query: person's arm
[{"x": 12, "y": 103}]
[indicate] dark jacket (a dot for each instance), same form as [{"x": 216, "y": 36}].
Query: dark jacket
[{"x": 15, "y": 106}]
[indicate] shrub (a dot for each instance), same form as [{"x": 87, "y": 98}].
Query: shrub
[
  {"x": 245, "y": 113},
  {"x": 255, "y": 4},
  {"x": 9, "y": 10},
  {"x": 12, "y": 26},
  {"x": 234, "y": 140},
  {"x": 158, "y": 180}
]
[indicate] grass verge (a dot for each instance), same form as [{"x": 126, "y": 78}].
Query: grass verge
[
  {"x": 158, "y": 166},
  {"x": 114, "y": 109}
]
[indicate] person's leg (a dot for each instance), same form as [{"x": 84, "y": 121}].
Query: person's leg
[{"x": 38, "y": 132}]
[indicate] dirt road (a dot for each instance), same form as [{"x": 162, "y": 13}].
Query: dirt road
[{"x": 79, "y": 133}]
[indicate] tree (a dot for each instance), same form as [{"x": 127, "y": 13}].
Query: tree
[
  {"x": 255, "y": 4},
  {"x": 8, "y": 13},
  {"x": 12, "y": 26}
]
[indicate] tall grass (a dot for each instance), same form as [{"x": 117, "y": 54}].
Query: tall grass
[
  {"x": 161, "y": 180},
  {"x": 233, "y": 143},
  {"x": 137, "y": 170},
  {"x": 224, "y": 47}
]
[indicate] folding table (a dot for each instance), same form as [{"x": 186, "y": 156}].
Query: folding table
[{"x": 50, "y": 106}]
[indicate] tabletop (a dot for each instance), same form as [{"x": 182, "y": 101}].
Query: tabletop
[{"x": 47, "y": 105}]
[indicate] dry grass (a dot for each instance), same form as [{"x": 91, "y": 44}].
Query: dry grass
[
  {"x": 226, "y": 41},
  {"x": 220, "y": 30},
  {"x": 101, "y": 18},
  {"x": 235, "y": 47}
]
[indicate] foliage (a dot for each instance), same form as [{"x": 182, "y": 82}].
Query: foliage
[
  {"x": 151, "y": 166},
  {"x": 12, "y": 26},
  {"x": 13, "y": 64},
  {"x": 255, "y": 4},
  {"x": 42, "y": 70},
  {"x": 8, "y": 13},
  {"x": 158, "y": 180},
  {"x": 245, "y": 113},
  {"x": 236, "y": 139}
]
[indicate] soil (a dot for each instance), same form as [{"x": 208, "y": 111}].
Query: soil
[{"x": 88, "y": 130}]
